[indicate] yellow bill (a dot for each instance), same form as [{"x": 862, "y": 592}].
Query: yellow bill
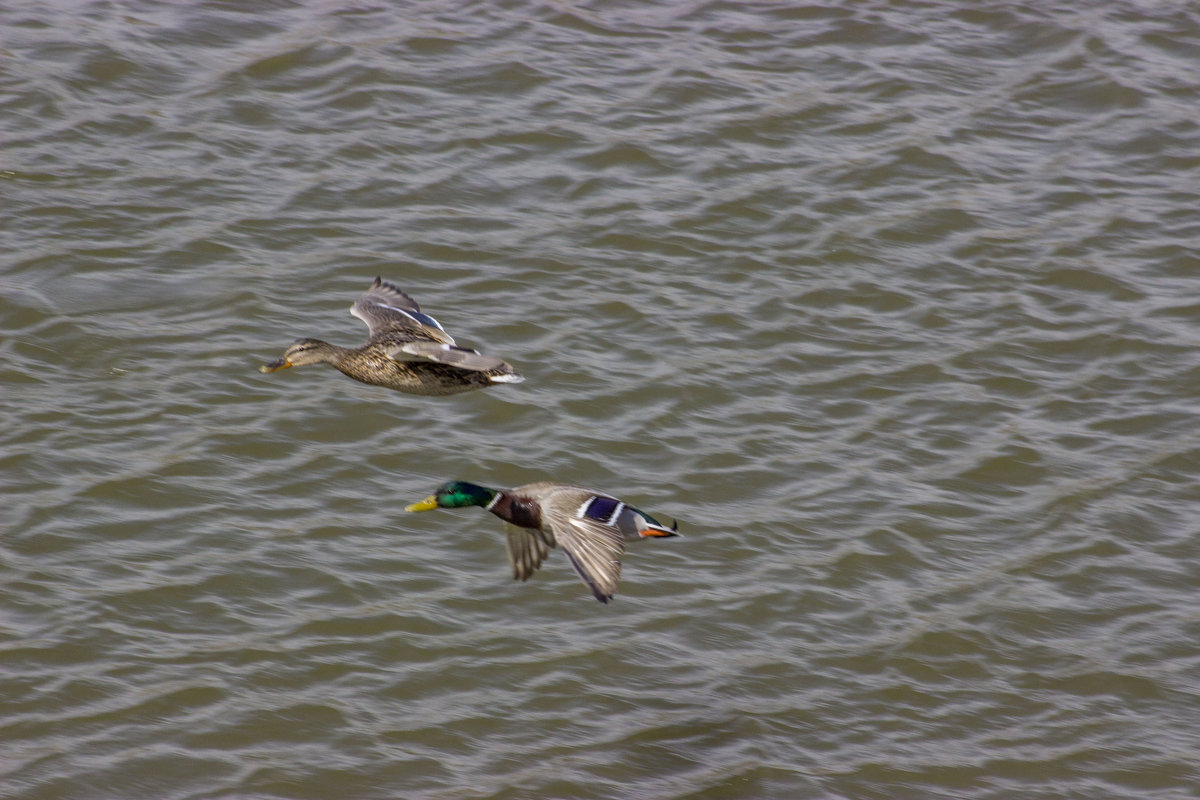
[
  {"x": 428, "y": 504},
  {"x": 274, "y": 366}
]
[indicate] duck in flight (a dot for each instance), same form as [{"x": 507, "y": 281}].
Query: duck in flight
[
  {"x": 407, "y": 350},
  {"x": 591, "y": 528}
]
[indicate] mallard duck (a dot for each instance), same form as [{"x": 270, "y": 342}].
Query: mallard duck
[
  {"x": 408, "y": 350},
  {"x": 591, "y": 527}
]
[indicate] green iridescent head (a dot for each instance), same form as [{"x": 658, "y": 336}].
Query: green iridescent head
[{"x": 455, "y": 494}]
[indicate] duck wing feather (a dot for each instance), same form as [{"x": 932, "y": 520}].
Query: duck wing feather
[
  {"x": 441, "y": 353},
  {"x": 594, "y": 550},
  {"x": 527, "y": 549},
  {"x": 385, "y": 307}
]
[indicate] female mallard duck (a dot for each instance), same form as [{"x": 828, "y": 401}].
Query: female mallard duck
[
  {"x": 591, "y": 527},
  {"x": 407, "y": 350}
]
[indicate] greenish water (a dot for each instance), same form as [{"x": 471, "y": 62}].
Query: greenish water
[{"x": 893, "y": 305}]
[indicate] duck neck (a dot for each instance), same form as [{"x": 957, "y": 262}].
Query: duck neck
[
  {"x": 522, "y": 512},
  {"x": 335, "y": 354}
]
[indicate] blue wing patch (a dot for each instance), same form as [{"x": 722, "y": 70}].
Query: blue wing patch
[
  {"x": 601, "y": 509},
  {"x": 425, "y": 319}
]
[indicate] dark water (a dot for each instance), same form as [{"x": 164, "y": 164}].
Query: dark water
[{"x": 893, "y": 304}]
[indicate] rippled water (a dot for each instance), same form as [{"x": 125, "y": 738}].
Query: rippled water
[{"x": 892, "y": 304}]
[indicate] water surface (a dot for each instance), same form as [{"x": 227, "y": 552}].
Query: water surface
[{"x": 893, "y": 305}]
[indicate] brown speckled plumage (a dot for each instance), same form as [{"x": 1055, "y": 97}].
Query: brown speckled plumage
[{"x": 407, "y": 350}]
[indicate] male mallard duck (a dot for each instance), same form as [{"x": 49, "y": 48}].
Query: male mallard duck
[
  {"x": 591, "y": 527},
  {"x": 407, "y": 350}
]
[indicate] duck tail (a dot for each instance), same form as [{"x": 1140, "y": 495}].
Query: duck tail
[{"x": 660, "y": 531}]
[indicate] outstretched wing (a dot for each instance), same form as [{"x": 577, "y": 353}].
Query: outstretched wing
[
  {"x": 594, "y": 550},
  {"x": 527, "y": 549},
  {"x": 385, "y": 307},
  {"x": 445, "y": 354}
]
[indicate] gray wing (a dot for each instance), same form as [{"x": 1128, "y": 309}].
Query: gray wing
[
  {"x": 444, "y": 354},
  {"x": 594, "y": 550},
  {"x": 385, "y": 307},
  {"x": 527, "y": 549}
]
